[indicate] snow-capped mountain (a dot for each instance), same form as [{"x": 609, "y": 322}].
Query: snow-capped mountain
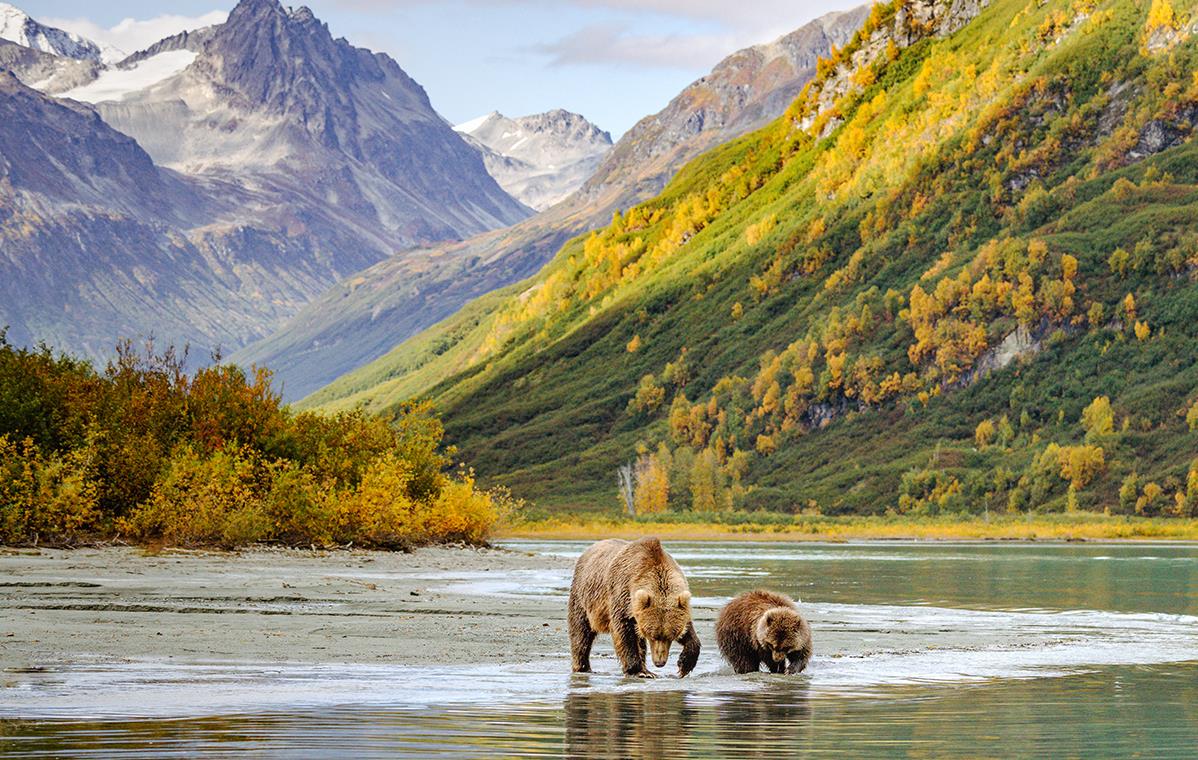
[
  {"x": 540, "y": 159},
  {"x": 289, "y": 161},
  {"x": 305, "y": 120},
  {"x": 16, "y": 26}
]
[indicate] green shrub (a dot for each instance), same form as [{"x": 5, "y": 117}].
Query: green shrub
[
  {"x": 143, "y": 450},
  {"x": 51, "y": 497}
]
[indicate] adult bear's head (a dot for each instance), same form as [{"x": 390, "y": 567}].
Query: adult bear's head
[
  {"x": 661, "y": 619},
  {"x": 661, "y": 600}
]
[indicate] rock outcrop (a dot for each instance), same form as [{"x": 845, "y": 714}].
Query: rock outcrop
[{"x": 914, "y": 21}]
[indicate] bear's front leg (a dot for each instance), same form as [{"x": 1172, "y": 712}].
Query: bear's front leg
[
  {"x": 629, "y": 648},
  {"x": 690, "y": 651},
  {"x": 582, "y": 636},
  {"x": 742, "y": 663}
]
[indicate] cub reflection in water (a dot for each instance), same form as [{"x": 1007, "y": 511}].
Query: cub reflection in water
[
  {"x": 773, "y": 721},
  {"x": 635, "y": 723}
]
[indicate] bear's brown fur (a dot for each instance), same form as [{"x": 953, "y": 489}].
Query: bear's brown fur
[
  {"x": 635, "y": 591},
  {"x": 763, "y": 627}
]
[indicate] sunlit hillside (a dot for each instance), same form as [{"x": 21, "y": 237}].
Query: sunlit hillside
[{"x": 957, "y": 275}]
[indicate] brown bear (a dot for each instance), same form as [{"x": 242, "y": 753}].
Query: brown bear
[
  {"x": 763, "y": 627},
  {"x": 636, "y": 592}
]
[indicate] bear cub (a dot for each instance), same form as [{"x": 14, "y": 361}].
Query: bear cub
[
  {"x": 636, "y": 592},
  {"x": 763, "y": 627}
]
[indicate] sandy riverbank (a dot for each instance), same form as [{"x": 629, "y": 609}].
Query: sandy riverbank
[{"x": 116, "y": 604}]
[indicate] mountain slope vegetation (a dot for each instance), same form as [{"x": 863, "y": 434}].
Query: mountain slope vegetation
[
  {"x": 958, "y": 275},
  {"x": 368, "y": 314}
]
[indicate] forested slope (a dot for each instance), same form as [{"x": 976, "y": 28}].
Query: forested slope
[{"x": 958, "y": 275}]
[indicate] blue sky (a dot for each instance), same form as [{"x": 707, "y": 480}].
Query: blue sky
[{"x": 613, "y": 61}]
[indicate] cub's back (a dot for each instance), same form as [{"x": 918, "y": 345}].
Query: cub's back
[{"x": 742, "y": 612}]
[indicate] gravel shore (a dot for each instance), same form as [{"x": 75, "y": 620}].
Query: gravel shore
[{"x": 267, "y": 605}]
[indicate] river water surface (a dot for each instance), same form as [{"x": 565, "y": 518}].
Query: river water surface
[{"x": 979, "y": 650}]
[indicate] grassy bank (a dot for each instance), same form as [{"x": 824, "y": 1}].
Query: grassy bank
[{"x": 769, "y": 527}]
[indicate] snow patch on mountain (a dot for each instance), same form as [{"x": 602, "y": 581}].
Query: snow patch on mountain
[
  {"x": 469, "y": 126},
  {"x": 17, "y": 26},
  {"x": 115, "y": 84},
  {"x": 540, "y": 159}
]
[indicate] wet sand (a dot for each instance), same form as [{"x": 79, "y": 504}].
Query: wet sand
[{"x": 272, "y": 606}]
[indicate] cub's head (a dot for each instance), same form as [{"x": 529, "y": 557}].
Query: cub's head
[
  {"x": 781, "y": 631},
  {"x": 661, "y": 620}
]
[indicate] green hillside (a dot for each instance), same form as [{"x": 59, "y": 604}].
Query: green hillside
[{"x": 959, "y": 275}]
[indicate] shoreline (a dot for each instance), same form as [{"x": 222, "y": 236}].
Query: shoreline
[{"x": 1000, "y": 529}]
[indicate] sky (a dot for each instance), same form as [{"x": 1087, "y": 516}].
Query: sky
[{"x": 613, "y": 61}]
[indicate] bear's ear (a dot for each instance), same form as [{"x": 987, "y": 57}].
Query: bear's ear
[
  {"x": 641, "y": 599},
  {"x": 769, "y": 618},
  {"x": 684, "y": 599}
]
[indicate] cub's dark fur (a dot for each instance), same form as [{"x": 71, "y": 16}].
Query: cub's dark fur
[{"x": 763, "y": 627}]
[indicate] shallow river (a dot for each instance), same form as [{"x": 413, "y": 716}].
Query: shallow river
[{"x": 979, "y": 650}]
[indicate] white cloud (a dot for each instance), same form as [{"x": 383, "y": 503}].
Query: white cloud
[
  {"x": 618, "y": 44},
  {"x": 132, "y": 35},
  {"x": 733, "y": 14},
  {"x": 716, "y": 28}
]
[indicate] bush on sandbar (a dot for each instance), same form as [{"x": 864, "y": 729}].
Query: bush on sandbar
[{"x": 145, "y": 451}]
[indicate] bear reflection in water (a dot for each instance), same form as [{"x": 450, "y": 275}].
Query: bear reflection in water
[
  {"x": 637, "y": 723},
  {"x": 668, "y": 723}
]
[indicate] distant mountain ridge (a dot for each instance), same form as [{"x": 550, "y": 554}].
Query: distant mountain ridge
[
  {"x": 540, "y": 159},
  {"x": 17, "y": 26},
  {"x": 295, "y": 159},
  {"x": 743, "y": 92},
  {"x": 365, "y": 316}
]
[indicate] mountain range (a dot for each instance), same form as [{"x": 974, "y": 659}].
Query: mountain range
[
  {"x": 367, "y": 315},
  {"x": 957, "y": 274},
  {"x": 539, "y": 159},
  {"x": 277, "y": 159},
  {"x": 18, "y": 27}
]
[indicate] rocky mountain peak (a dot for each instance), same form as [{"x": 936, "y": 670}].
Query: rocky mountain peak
[
  {"x": 302, "y": 15},
  {"x": 541, "y": 158},
  {"x": 287, "y": 61},
  {"x": 566, "y": 124},
  {"x": 17, "y": 26}
]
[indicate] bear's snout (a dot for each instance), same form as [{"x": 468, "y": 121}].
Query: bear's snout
[
  {"x": 779, "y": 656},
  {"x": 661, "y": 652}
]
